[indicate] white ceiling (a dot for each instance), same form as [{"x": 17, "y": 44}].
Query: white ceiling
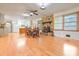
[{"x": 17, "y": 9}]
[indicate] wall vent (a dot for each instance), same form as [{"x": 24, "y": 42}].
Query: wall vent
[{"x": 67, "y": 35}]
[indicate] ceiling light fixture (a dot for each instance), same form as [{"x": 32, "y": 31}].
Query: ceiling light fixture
[
  {"x": 43, "y": 5},
  {"x": 25, "y": 14},
  {"x": 31, "y": 14}
]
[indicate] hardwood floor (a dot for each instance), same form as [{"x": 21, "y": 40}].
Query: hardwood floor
[{"x": 15, "y": 44}]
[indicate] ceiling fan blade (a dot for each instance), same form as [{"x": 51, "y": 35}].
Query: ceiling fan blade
[
  {"x": 35, "y": 13},
  {"x": 31, "y": 12}
]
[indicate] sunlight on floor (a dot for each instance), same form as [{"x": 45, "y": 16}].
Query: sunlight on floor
[
  {"x": 70, "y": 50},
  {"x": 21, "y": 42},
  {"x": 40, "y": 40}
]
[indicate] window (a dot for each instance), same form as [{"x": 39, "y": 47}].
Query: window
[
  {"x": 66, "y": 22},
  {"x": 70, "y": 22},
  {"x": 58, "y": 23}
]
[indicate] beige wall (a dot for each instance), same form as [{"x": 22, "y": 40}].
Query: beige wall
[{"x": 67, "y": 12}]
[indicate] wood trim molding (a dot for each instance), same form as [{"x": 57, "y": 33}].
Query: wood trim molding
[
  {"x": 78, "y": 21},
  {"x": 63, "y": 23},
  {"x": 53, "y": 22}
]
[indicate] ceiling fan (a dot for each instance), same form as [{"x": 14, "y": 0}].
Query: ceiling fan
[{"x": 32, "y": 12}]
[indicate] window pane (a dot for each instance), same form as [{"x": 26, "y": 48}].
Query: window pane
[
  {"x": 70, "y": 28},
  {"x": 70, "y": 22},
  {"x": 58, "y": 22}
]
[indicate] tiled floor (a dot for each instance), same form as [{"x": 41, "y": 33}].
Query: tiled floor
[{"x": 15, "y": 44}]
